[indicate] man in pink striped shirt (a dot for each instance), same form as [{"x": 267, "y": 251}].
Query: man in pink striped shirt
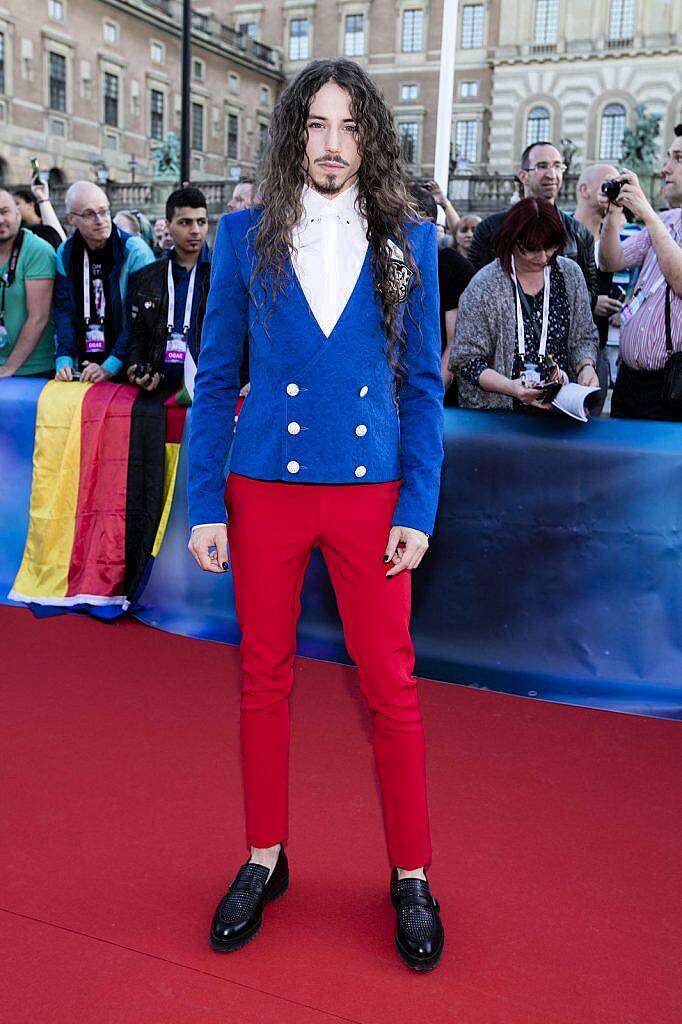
[{"x": 657, "y": 250}]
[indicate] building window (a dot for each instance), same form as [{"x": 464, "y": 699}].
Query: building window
[
  {"x": 55, "y": 10},
  {"x": 408, "y": 133},
  {"x": 354, "y": 35},
  {"x": 537, "y": 126},
  {"x": 197, "y": 130},
  {"x": 248, "y": 28},
  {"x": 110, "y": 33},
  {"x": 546, "y": 20},
  {"x": 111, "y": 99},
  {"x": 233, "y": 83},
  {"x": 468, "y": 90},
  {"x": 409, "y": 92},
  {"x": 198, "y": 70},
  {"x": 156, "y": 53},
  {"x": 57, "y": 81},
  {"x": 472, "y": 26},
  {"x": 265, "y": 96},
  {"x": 2, "y": 61},
  {"x": 466, "y": 140},
  {"x": 413, "y": 31},
  {"x": 298, "y": 39},
  {"x": 263, "y": 130},
  {"x": 612, "y": 129},
  {"x": 232, "y": 136},
  {"x": 156, "y": 102},
  {"x": 622, "y": 19}
]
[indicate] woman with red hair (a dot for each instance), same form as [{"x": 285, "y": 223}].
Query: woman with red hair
[{"x": 525, "y": 319}]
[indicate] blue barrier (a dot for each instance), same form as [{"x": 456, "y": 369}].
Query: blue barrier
[{"x": 554, "y": 572}]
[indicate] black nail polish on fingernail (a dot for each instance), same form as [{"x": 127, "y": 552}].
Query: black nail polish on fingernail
[
  {"x": 386, "y": 559},
  {"x": 224, "y": 565}
]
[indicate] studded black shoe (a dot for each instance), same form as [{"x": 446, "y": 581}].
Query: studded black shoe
[
  {"x": 419, "y": 935},
  {"x": 239, "y": 915}
]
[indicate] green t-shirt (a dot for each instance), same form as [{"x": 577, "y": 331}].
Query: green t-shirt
[{"x": 36, "y": 260}]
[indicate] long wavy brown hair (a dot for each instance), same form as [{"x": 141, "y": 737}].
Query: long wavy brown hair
[{"x": 382, "y": 194}]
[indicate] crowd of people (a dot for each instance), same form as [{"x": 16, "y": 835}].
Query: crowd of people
[{"x": 530, "y": 296}]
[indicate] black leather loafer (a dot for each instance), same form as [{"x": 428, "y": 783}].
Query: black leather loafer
[
  {"x": 239, "y": 915},
  {"x": 419, "y": 935}
]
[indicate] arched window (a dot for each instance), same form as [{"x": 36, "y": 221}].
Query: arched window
[
  {"x": 55, "y": 177},
  {"x": 612, "y": 128},
  {"x": 537, "y": 125}
]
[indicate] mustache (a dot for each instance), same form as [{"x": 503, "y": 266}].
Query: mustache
[{"x": 331, "y": 160}]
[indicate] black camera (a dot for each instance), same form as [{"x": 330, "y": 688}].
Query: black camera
[
  {"x": 611, "y": 188},
  {"x": 144, "y": 370}
]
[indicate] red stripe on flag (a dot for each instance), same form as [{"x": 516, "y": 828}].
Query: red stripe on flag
[
  {"x": 175, "y": 423},
  {"x": 98, "y": 553}
]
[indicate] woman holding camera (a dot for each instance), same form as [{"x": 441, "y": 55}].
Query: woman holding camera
[{"x": 524, "y": 321}]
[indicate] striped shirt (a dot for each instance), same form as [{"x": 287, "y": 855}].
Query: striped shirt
[{"x": 642, "y": 340}]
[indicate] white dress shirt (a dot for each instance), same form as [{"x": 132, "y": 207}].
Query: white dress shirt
[
  {"x": 329, "y": 247},
  {"x": 330, "y": 243}
]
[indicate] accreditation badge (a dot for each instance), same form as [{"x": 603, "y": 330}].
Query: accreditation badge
[
  {"x": 94, "y": 338},
  {"x": 176, "y": 348}
]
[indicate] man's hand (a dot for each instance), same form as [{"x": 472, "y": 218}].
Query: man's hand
[
  {"x": 94, "y": 373},
  {"x": 606, "y": 306},
  {"x": 437, "y": 192},
  {"x": 632, "y": 197},
  {"x": 208, "y": 547},
  {"x": 406, "y": 548},
  {"x": 146, "y": 382},
  {"x": 65, "y": 373},
  {"x": 4, "y": 372}
]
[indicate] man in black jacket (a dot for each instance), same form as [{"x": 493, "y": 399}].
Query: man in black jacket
[
  {"x": 542, "y": 172},
  {"x": 167, "y": 298}
]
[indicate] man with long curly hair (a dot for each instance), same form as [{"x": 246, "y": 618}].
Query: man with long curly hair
[{"x": 339, "y": 445}]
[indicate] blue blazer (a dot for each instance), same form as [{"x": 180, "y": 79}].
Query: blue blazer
[{"x": 320, "y": 410}]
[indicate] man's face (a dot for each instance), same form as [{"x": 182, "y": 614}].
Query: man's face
[
  {"x": 332, "y": 152},
  {"x": 91, "y": 215},
  {"x": 671, "y": 174},
  {"x": 159, "y": 228},
  {"x": 10, "y": 221},
  {"x": 590, "y": 190},
  {"x": 542, "y": 179},
  {"x": 242, "y": 197},
  {"x": 188, "y": 228}
]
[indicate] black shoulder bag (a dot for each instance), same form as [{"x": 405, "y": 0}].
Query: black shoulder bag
[{"x": 672, "y": 371}]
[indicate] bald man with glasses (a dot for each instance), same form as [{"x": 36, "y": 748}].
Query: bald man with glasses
[
  {"x": 93, "y": 269},
  {"x": 541, "y": 174}
]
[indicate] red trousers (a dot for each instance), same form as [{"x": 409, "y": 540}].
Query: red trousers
[{"x": 272, "y": 530}]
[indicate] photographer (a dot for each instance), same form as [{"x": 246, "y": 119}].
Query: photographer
[
  {"x": 166, "y": 297},
  {"x": 38, "y": 215},
  {"x": 652, "y": 318}
]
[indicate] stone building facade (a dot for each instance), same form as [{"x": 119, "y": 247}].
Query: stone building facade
[{"x": 86, "y": 82}]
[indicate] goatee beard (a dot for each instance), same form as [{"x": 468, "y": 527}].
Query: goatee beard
[{"x": 327, "y": 188}]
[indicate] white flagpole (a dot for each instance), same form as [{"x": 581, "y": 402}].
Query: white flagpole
[{"x": 446, "y": 83}]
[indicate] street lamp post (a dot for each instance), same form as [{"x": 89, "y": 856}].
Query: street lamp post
[{"x": 132, "y": 167}]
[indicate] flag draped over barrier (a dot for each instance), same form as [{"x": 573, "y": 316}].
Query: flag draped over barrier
[{"x": 104, "y": 466}]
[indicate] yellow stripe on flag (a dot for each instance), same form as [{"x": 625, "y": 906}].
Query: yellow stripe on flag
[
  {"x": 44, "y": 570},
  {"x": 170, "y": 472}
]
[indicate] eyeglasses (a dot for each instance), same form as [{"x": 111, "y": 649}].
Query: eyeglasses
[
  {"x": 549, "y": 250},
  {"x": 92, "y": 215},
  {"x": 544, "y": 166}
]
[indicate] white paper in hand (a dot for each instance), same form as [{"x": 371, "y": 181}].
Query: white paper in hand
[
  {"x": 189, "y": 374},
  {"x": 571, "y": 400}
]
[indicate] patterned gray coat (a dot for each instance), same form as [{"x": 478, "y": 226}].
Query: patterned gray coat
[{"x": 486, "y": 329}]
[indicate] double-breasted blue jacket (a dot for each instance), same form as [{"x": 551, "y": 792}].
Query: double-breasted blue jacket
[{"x": 321, "y": 410}]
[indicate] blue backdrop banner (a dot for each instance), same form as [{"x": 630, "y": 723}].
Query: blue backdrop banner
[{"x": 555, "y": 570}]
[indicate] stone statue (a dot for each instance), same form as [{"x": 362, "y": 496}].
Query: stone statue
[
  {"x": 167, "y": 158},
  {"x": 568, "y": 151},
  {"x": 640, "y": 146}
]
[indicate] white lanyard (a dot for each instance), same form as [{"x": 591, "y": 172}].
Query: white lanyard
[
  {"x": 520, "y": 332},
  {"x": 171, "y": 299},
  {"x": 86, "y": 290}
]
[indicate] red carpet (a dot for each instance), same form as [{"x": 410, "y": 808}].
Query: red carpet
[{"x": 556, "y": 838}]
